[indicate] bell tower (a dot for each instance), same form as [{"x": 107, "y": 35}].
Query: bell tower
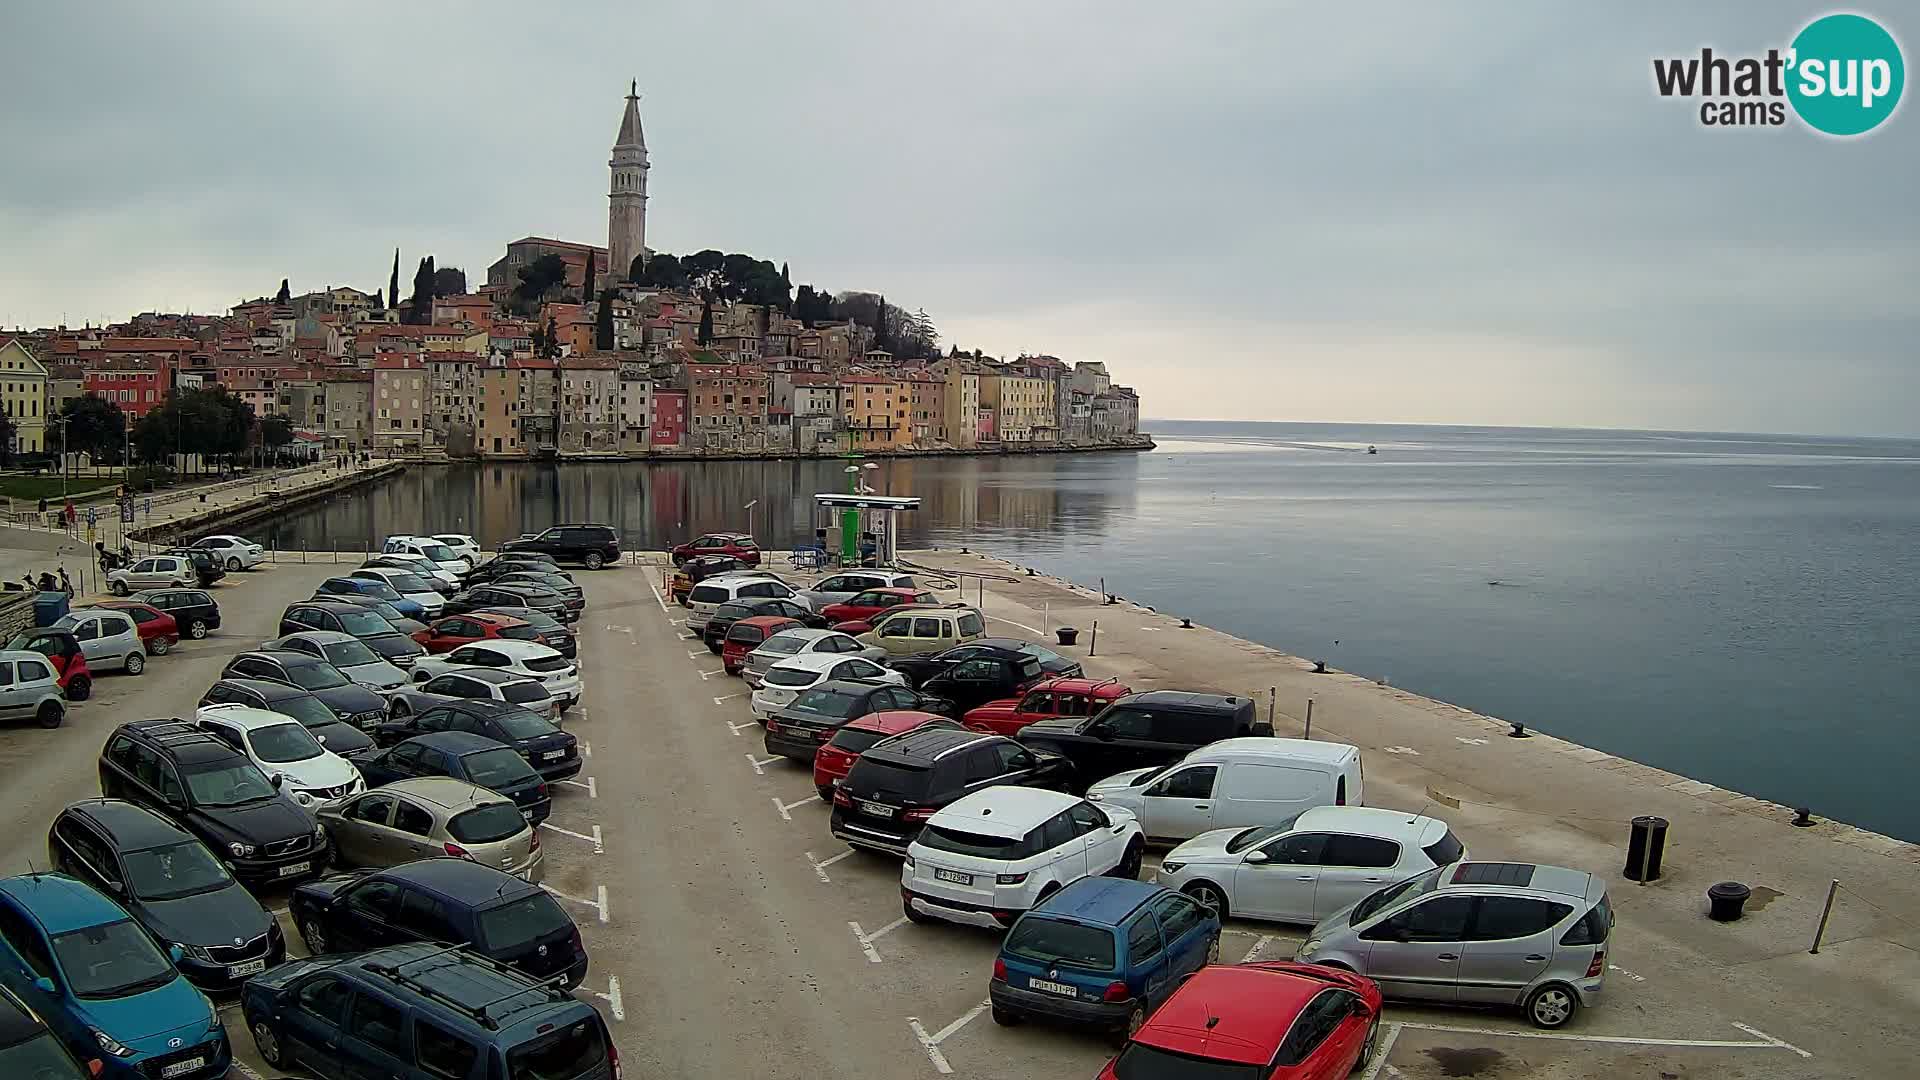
[{"x": 627, "y": 193}]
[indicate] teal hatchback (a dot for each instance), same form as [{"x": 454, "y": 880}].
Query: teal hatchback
[{"x": 102, "y": 985}]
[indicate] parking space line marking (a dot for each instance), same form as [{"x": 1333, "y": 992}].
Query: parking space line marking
[
  {"x": 888, "y": 929},
  {"x": 615, "y": 1004},
  {"x": 585, "y": 746},
  {"x": 620, "y": 629},
  {"x": 598, "y": 847},
  {"x": 738, "y": 728},
  {"x": 710, "y": 674},
  {"x": 601, "y": 892},
  {"x": 932, "y": 1048},
  {"x": 866, "y": 943},
  {"x": 724, "y": 698},
  {"x": 1766, "y": 1042},
  {"x": 820, "y": 865},
  {"x": 1259, "y": 945},
  {"x": 759, "y": 765},
  {"x": 784, "y": 807},
  {"x": 1628, "y": 974},
  {"x": 593, "y": 792},
  {"x": 1021, "y": 625},
  {"x": 695, "y": 655},
  {"x": 600, "y": 904},
  {"x": 965, "y": 1018},
  {"x": 1380, "y": 1053},
  {"x": 1781, "y": 1043},
  {"x": 658, "y": 599},
  {"x": 244, "y": 1069}
]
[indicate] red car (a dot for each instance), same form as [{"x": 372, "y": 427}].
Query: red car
[
  {"x": 448, "y": 634},
  {"x": 1270, "y": 1021},
  {"x": 1044, "y": 700},
  {"x": 738, "y": 545},
  {"x": 746, "y": 635},
  {"x": 866, "y": 605},
  {"x": 832, "y": 762},
  {"x": 62, "y": 650},
  {"x": 157, "y": 630}
]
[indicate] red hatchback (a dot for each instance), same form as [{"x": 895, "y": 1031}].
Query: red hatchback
[
  {"x": 866, "y": 605},
  {"x": 1043, "y": 701},
  {"x": 747, "y": 635},
  {"x": 448, "y": 634},
  {"x": 1263, "y": 1021},
  {"x": 832, "y": 762},
  {"x": 738, "y": 545},
  {"x": 61, "y": 649},
  {"x": 157, "y": 630}
]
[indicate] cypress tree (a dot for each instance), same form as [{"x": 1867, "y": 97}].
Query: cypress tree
[
  {"x": 706, "y": 321},
  {"x": 586, "y": 290},
  {"x": 284, "y": 295},
  {"x": 603, "y": 323},
  {"x": 393, "y": 283}
]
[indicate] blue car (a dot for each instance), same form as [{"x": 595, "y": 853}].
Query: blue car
[
  {"x": 1102, "y": 953},
  {"x": 103, "y": 986},
  {"x": 379, "y": 590}
]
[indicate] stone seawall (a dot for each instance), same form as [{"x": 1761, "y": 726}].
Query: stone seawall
[
  {"x": 1144, "y": 443},
  {"x": 194, "y": 519}
]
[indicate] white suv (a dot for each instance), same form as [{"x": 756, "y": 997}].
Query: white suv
[
  {"x": 283, "y": 749},
  {"x": 785, "y": 680},
  {"x": 527, "y": 659},
  {"x": 989, "y": 856}
]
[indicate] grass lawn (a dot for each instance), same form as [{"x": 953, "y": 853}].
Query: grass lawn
[{"x": 46, "y": 486}]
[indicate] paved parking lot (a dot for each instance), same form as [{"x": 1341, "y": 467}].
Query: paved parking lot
[{"x": 730, "y": 934}]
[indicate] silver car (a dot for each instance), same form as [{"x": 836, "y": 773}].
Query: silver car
[
  {"x": 486, "y": 684},
  {"x": 348, "y": 653},
  {"x": 847, "y": 584},
  {"x": 29, "y": 690},
  {"x": 426, "y": 816},
  {"x": 798, "y": 642},
  {"x": 1478, "y": 933},
  {"x": 108, "y": 639}
]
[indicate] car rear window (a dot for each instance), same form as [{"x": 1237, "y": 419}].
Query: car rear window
[
  {"x": 884, "y": 777},
  {"x": 522, "y": 921},
  {"x": 779, "y": 676},
  {"x": 1056, "y": 941},
  {"x": 853, "y": 740},
  {"x": 547, "y": 663},
  {"x": 520, "y": 633},
  {"x": 971, "y": 626},
  {"x": 1593, "y": 927},
  {"x": 562, "y": 1055},
  {"x": 488, "y": 824},
  {"x": 981, "y": 845},
  {"x": 1445, "y": 850},
  {"x": 1142, "y": 1062},
  {"x": 522, "y": 724},
  {"x": 746, "y": 635},
  {"x": 826, "y": 702},
  {"x": 782, "y": 644},
  {"x": 525, "y": 693},
  {"x": 709, "y": 594}
]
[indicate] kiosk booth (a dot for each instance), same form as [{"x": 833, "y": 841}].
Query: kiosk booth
[{"x": 860, "y": 529}]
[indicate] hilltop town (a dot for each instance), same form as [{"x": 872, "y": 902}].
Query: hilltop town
[{"x": 567, "y": 350}]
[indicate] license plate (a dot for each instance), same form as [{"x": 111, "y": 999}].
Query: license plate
[
  {"x": 295, "y": 868},
  {"x": 874, "y": 808},
  {"x": 182, "y": 1068},
  {"x": 554, "y": 755},
  {"x": 251, "y": 967},
  {"x": 954, "y": 876},
  {"x": 1062, "y": 989}
]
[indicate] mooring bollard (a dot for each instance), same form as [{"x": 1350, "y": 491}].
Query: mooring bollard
[
  {"x": 1726, "y": 901},
  {"x": 1646, "y": 843}
]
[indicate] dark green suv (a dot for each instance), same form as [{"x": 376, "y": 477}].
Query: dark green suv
[{"x": 423, "y": 1012}]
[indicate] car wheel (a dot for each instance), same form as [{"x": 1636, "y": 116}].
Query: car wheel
[
  {"x": 136, "y": 663},
  {"x": 79, "y": 688},
  {"x": 1005, "y": 1017},
  {"x": 50, "y": 714},
  {"x": 1130, "y": 862},
  {"x": 1209, "y": 896},
  {"x": 119, "y": 588},
  {"x": 159, "y": 646},
  {"x": 197, "y": 629},
  {"x": 233, "y": 565},
  {"x": 268, "y": 1043},
  {"x": 1213, "y": 950},
  {"x": 1368, "y": 1048},
  {"x": 314, "y": 936},
  {"x": 1552, "y": 1006},
  {"x": 1136, "y": 1019},
  {"x": 914, "y": 915},
  {"x": 825, "y": 791},
  {"x": 594, "y": 561},
  {"x": 401, "y": 710}
]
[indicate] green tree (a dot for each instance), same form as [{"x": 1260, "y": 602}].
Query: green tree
[
  {"x": 284, "y": 294},
  {"x": 586, "y": 288},
  {"x": 603, "y": 323},
  {"x": 393, "y": 283},
  {"x": 275, "y": 432},
  {"x": 449, "y": 281},
  {"x": 537, "y": 278},
  {"x": 94, "y": 426},
  {"x": 552, "y": 350},
  {"x": 8, "y": 432}
]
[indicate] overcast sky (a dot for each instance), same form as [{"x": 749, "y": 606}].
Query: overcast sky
[{"x": 1382, "y": 212}]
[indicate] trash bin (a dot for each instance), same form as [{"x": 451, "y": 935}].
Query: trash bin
[
  {"x": 1726, "y": 900},
  {"x": 1067, "y": 634},
  {"x": 49, "y": 608},
  {"x": 1647, "y": 841}
]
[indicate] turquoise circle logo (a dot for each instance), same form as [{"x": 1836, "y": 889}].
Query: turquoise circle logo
[{"x": 1847, "y": 74}]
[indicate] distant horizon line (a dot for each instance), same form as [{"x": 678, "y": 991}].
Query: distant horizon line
[{"x": 1144, "y": 421}]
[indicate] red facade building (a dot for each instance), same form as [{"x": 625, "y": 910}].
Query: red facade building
[{"x": 667, "y": 417}]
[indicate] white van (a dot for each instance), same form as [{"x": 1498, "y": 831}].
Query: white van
[{"x": 1234, "y": 783}]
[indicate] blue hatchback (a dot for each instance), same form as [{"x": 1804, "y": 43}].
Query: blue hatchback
[
  {"x": 379, "y": 590},
  {"x": 102, "y": 984},
  {"x": 1102, "y": 952}
]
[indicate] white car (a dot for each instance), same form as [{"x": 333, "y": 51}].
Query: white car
[
  {"x": 428, "y": 548},
  {"x": 446, "y": 581},
  {"x": 717, "y": 590},
  {"x": 348, "y": 653},
  {"x": 409, "y": 585},
  {"x": 466, "y": 547},
  {"x": 30, "y": 690},
  {"x": 231, "y": 552},
  {"x": 282, "y": 747},
  {"x": 153, "y": 572},
  {"x": 1328, "y": 858},
  {"x": 785, "y": 680},
  {"x": 800, "y": 641},
  {"x": 527, "y": 659},
  {"x": 991, "y": 855}
]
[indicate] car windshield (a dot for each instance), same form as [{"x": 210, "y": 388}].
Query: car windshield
[
  {"x": 406, "y": 582},
  {"x": 349, "y": 654},
  {"x": 525, "y": 693},
  {"x": 520, "y": 633},
  {"x": 315, "y": 676},
  {"x": 782, "y": 644},
  {"x": 496, "y": 767},
  {"x": 1151, "y": 775},
  {"x": 283, "y": 743},
  {"x": 40, "y": 1056},
  {"x": 732, "y": 610},
  {"x": 522, "y": 724},
  {"x": 384, "y": 610},
  {"x": 790, "y": 677},
  {"x": 173, "y": 871},
  {"x": 1382, "y": 899},
  {"x": 1057, "y": 941},
  {"x": 487, "y": 824},
  {"x": 521, "y": 922},
  {"x": 233, "y": 784},
  {"x": 1142, "y": 1062},
  {"x": 562, "y": 1055},
  {"x": 437, "y": 552},
  {"x": 1040, "y": 653},
  {"x": 361, "y": 623},
  {"x": 111, "y": 960},
  {"x": 827, "y": 702},
  {"x": 306, "y": 708},
  {"x": 1247, "y": 838},
  {"x": 539, "y": 620},
  {"x": 381, "y": 589}
]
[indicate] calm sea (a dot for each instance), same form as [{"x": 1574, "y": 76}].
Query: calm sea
[{"x": 1738, "y": 608}]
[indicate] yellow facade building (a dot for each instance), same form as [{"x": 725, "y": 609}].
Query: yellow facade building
[{"x": 23, "y": 396}]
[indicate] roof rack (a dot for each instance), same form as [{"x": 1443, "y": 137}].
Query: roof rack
[{"x": 550, "y": 990}]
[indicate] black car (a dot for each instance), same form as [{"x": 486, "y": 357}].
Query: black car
[
  {"x": 448, "y": 900},
  {"x": 1052, "y": 665},
  {"x": 898, "y": 784},
  {"x": 1158, "y": 727},
  {"x": 553, "y": 753},
  {"x": 512, "y": 599},
  {"x": 508, "y": 562},
  {"x": 478, "y": 760},
  {"x": 401, "y": 623},
  {"x": 380, "y": 635},
  {"x": 724, "y": 616},
  {"x": 546, "y": 579},
  {"x": 206, "y": 565},
  {"x": 592, "y": 546},
  {"x": 349, "y": 701},
  {"x": 172, "y": 885},
  {"x": 29, "y": 1048},
  {"x": 215, "y": 793},
  {"x": 547, "y": 630},
  {"x": 348, "y": 739},
  {"x": 973, "y": 674},
  {"x": 194, "y": 610},
  {"x": 803, "y": 725}
]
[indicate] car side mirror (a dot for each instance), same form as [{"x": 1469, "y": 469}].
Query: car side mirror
[
  {"x": 117, "y": 886},
  {"x": 176, "y": 954},
  {"x": 277, "y": 779},
  {"x": 44, "y": 985},
  {"x": 1360, "y": 1008},
  {"x": 1257, "y": 857}
]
